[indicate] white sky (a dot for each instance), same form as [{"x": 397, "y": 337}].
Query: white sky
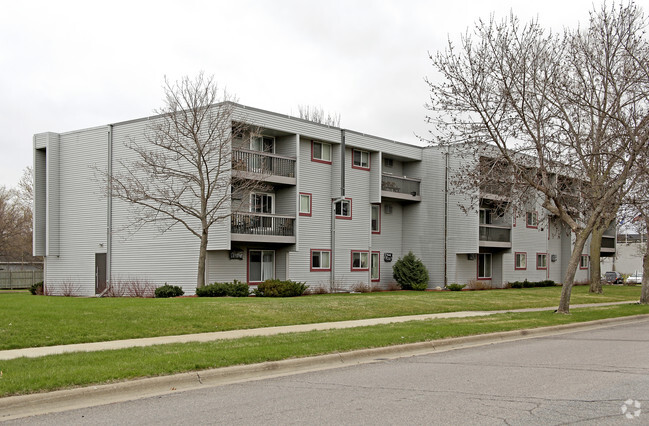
[{"x": 67, "y": 65}]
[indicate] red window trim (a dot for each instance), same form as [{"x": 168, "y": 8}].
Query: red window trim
[
  {"x": 248, "y": 266},
  {"x": 375, "y": 280},
  {"x": 379, "y": 207},
  {"x": 477, "y": 269},
  {"x": 351, "y": 258},
  {"x": 527, "y": 225},
  {"x": 537, "y": 262},
  {"x": 310, "y": 204},
  {"x": 350, "y": 211},
  {"x": 311, "y": 261},
  {"x": 582, "y": 256},
  {"x": 517, "y": 268},
  {"x": 369, "y": 160},
  {"x": 318, "y": 160}
]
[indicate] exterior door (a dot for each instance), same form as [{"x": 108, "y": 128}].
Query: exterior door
[{"x": 100, "y": 272}]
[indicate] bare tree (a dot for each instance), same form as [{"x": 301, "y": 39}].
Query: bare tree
[
  {"x": 183, "y": 171},
  {"x": 566, "y": 114},
  {"x": 15, "y": 227},
  {"x": 318, "y": 115}
]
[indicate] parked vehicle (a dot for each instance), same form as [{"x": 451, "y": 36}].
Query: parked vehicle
[
  {"x": 636, "y": 278},
  {"x": 613, "y": 277}
]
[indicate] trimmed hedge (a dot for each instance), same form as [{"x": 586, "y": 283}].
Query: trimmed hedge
[
  {"x": 530, "y": 284},
  {"x": 277, "y": 288},
  {"x": 233, "y": 289},
  {"x": 455, "y": 287},
  {"x": 168, "y": 291}
]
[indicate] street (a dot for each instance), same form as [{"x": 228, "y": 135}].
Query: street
[{"x": 582, "y": 377}]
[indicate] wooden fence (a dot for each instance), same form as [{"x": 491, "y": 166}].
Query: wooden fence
[{"x": 19, "y": 279}]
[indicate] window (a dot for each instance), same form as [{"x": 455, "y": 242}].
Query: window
[
  {"x": 344, "y": 209},
  {"x": 376, "y": 218},
  {"x": 305, "y": 204},
  {"x": 375, "y": 270},
  {"x": 261, "y": 265},
  {"x": 532, "y": 220},
  {"x": 541, "y": 261},
  {"x": 320, "y": 152},
  {"x": 584, "y": 262},
  {"x": 388, "y": 162},
  {"x": 262, "y": 143},
  {"x": 320, "y": 260},
  {"x": 360, "y": 261},
  {"x": 484, "y": 266},
  {"x": 485, "y": 217},
  {"x": 361, "y": 159},
  {"x": 388, "y": 208},
  {"x": 263, "y": 205},
  {"x": 520, "y": 261}
]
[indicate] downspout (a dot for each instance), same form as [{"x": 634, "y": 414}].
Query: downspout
[
  {"x": 446, "y": 218},
  {"x": 109, "y": 228},
  {"x": 333, "y": 209}
]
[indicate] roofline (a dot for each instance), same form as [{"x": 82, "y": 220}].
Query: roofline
[{"x": 244, "y": 107}]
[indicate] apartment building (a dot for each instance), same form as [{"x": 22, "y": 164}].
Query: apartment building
[{"x": 338, "y": 208}]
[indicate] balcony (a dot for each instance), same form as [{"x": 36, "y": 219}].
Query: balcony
[
  {"x": 497, "y": 236},
  {"x": 265, "y": 228},
  {"x": 400, "y": 188},
  {"x": 499, "y": 191},
  {"x": 272, "y": 168}
]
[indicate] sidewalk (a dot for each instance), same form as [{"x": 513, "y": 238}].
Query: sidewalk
[{"x": 266, "y": 331}]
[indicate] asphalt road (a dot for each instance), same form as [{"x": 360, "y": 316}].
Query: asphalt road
[{"x": 576, "y": 378}]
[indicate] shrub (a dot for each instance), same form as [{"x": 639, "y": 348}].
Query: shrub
[
  {"x": 478, "y": 285},
  {"x": 419, "y": 286},
  {"x": 516, "y": 284},
  {"x": 233, "y": 289},
  {"x": 410, "y": 270},
  {"x": 168, "y": 291},
  {"x": 530, "y": 284},
  {"x": 278, "y": 288},
  {"x": 361, "y": 287},
  {"x": 36, "y": 288},
  {"x": 455, "y": 287}
]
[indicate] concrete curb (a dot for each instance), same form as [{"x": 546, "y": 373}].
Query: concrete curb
[{"x": 15, "y": 407}]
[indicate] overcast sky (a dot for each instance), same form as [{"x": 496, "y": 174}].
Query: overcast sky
[{"x": 67, "y": 65}]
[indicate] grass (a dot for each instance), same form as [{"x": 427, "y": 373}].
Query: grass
[
  {"x": 33, "y": 321},
  {"x": 28, "y": 375}
]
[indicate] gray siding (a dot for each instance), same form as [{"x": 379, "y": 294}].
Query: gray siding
[{"x": 81, "y": 209}]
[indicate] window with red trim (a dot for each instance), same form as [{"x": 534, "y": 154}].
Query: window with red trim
[
  {"x": 375, "y": 266},
  {"x": 360, "y": 159},
  {"x": 321, "y": 152},
  {"x": 376, "y": 218},
  {"x": 532, "y": 220},
  {"x": 320, "y": 260},
  {"x": 305, "y": 204},
  {"x": 360, "y": 260},
  {"x": 541, "y": 261},
  {"x": 520, "y": 260},
  {"x": 344, "y": 209}
]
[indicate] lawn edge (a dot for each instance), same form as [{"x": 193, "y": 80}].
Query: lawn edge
[{"x": 14, "y": 407}]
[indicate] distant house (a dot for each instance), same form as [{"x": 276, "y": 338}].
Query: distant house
[
  {"x": 628, "y": 256},
  {"x": 340, "y": 208}
]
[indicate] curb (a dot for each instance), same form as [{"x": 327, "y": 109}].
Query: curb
[{"x": 15, "y": 407}]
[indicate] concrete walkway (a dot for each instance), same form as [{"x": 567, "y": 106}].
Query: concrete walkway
[{"x": 266, "y": 331}]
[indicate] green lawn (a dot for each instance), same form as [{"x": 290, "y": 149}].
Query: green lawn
[
  {"x": 27, "y": 375},
  {"x": 30, "y": 321}
]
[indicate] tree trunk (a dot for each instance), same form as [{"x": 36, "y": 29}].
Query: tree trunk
[
  {"x": 202, "y": 256},
  {"x": 569, "y": 278},
  {"x": 644, "y": 295},
  {"x": 595, "y": 266}
]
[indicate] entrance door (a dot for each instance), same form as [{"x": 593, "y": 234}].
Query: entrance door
[{"x": 100, "y": 272}]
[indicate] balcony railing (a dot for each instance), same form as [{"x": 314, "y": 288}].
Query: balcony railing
[
  {"x": 262, "y": 224},
  {"x": 264, "y": 163},
  {"x": 495, "y": 234},
  {"x": 400, "y": 185}
]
